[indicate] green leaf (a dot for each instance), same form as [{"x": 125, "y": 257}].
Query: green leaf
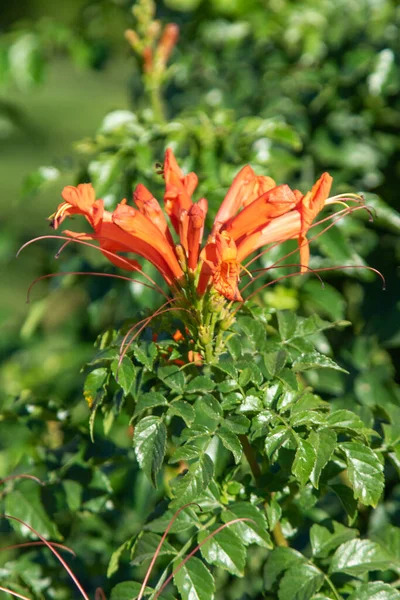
[
  {"x": 279, "y": 560},
  {"x": 149, "y": 441},
  {"x": 359, "y": 556},
  {"x": 149, "y": 400},
  {"x": 189, "y": 487},
  {"x": 145, "y": 358},
  {"x": 300, "y": 582},
  {"x": 346, "y": 497},
  {"x": 324, "y": 539},
  {"x": 172, "y": 377},
  {"x": 225, "y": 550},
  {"x": 182, "y": 409},
  {"x": 146, "y": 546},
  {"x": 343, "y": 420},
  {"x": 94, "y": 385},
  {"x": 234, "y": 346},
  {"x": 304, "y": 461},
  {"x": 210, "y": 407},
  {"x": 28, "y": 507},
  {"x": 273, "y": 511},
  {"x": 287, "y": 323},
  {"x": 113, "y": 565},
  {"x": 73, "y": 492},
  {"x": 275, "y": 361},
  {"x": 227, "y": 366},
  {"x": 324, "y": 442},
  {"x": 194, "y": 581},
  {"x": 251, "y": 403},
  {"x": 275, "y": 439},
  {"x": 185, "y": 520},
  {"x": 231, "y": 443},
  {"x": 125, "y": 374},
  {"x": 127, "y": 590},
  {"x": 200, "y": 384},
  {"x": 237, "y": 423},
  {"x": 250, "y": 532},
  {"x": 315, "y": 360},
  {"x": 378, "y": 590},
  {"x": 365, "y": 472}
]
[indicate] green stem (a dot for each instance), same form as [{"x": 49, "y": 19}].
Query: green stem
[{"x": 334, "y": 590}]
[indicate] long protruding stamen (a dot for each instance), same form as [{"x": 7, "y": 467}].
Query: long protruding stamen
[
  {"x": 266, "y": 269},
  {"x": 29, "y": 544},
  {"x": 21, "y": 476},
  {"x": 156, "y": 553},
  {"x": 15, "y": 594},
  {"x": 60, "y": 558},
  {"x": 93, "y": 273},
  {"x": 102, "y": 250}
]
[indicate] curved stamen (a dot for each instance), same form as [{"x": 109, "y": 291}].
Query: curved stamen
[
  {"x": 60, "y": 558},
  {"x": 95, "y": 273},
  {"x": 102, "y": 250},
  {"x": 266, "y": 269},
  {"x": 22, "y": 476},
  {"x": 29, "y": 544},
  {"x": 15, "y": 594}
]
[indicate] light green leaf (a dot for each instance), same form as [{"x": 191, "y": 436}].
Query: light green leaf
[
  {"x": 225, "y": 549},
  {"x": 287, "y": 323},
  {"x": 125, "y": 374},
  {"x": 378, "y": 590},
  {"x": 146, "y": 546},
  {"x": 359, "y": 556},
  {"x": 200, "y": 384},
  {"x": 149, "y": 441},
  {"x": 28, "y": 507},
  {"x": 315, "y": 360},
  {"x": 194, "y": 581},
  {"x": 365, "y": 472},
  {"x": 182, "y": 409},
  {"x": 113, "y": 565},
  {"x": 172, "y": 377},
  {"x": 275, "y": 440}
]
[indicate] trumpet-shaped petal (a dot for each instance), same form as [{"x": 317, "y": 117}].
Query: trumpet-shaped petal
[
  {"x": 245, "y": 188},
  {"x": 270, "y": 205},
  {"x": 221, "y": 262},
  {"x": 178, "y": 189},
  {"x": 150, "y": 207}
]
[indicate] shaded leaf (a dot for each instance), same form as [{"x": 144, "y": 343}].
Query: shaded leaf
[{"x": 149, "y": 441}]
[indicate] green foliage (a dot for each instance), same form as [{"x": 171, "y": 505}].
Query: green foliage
[{"x": 294, "y": 432}]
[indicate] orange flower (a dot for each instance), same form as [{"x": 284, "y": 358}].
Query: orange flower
[{"x": 255, "y": 212}]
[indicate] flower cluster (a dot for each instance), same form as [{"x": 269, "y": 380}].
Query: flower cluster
[{"x": 254, "y": 213}]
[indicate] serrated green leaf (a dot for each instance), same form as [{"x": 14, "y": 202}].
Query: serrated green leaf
[
  {"x": 346, "y": 419},
  {"x": 95, "y": 385},
  {"x": 185, "y": 520},
  {"x": 143, "y": 356},
  {"x": 227, "y": 366},
  {"x": 359, "y": 556},
  {"x": 149, "y": 400},
  {"x": 172, "y": 377},
  {"x": 113, "y": 564},
  {"x": 231, "y": 443},
  {"x": 146, "y": 546},
  {"x": 200, "y": 384},
  {"x": 225, "y": 549},
  {"x": 73, "y": 492},
  {"x": 28, "y": 507},
  {"x": 365, "y": 472},
  {"x": 275, "y": 361},
  {"x": 304, "y": 461},
  {"x": 273, "y": 511},
  {"x": 237, "y": 423},
  {"x": 250, "y": 532},
  {"x": 275, "y": 439},
  {"x": 307, "y": 417},
  {"x": 194, "y": 581},
  {"x": 182, "y": 409},
  {"x": 194, "y": 482},
  {"x": 346, "y": 497},
  {"x": 324, "y": 441},
  {"x": 300, "y": 582},
  {"x": 209, "y": 406},
  {"x": 377, "y": 590},
  {"x": 149, "y": 442},
  {"x": 124, "y": 374},
  {"x": 279, "y": 560},
  {"x": 327, "y": 537},
  {"x": 234, "y": 346},
  {"x": 127, "y": 590},
  {"x": 287, "y": 323},
  {"x": 315, "y": 360}
]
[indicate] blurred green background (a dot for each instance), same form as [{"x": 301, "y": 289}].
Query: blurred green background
[{"x": 294, "y": 88}]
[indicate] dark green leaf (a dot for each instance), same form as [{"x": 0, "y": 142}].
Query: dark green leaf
[
  {"x": 200, "y": 384},
  {"x": 146, "y": 546},
  {"x": 275, "y": 361},
  {"x": 375, "y": 591},
  {"x": 149, "y": 441},
  {"x": 113, "y": 565},
  {"x": 315, "y": 360},
  {"x": 149, "y": 400},
  {"x": 300, "y": 582},
  {"x": 346, "y": 497},
  {"x": 275, "y": 439},
  {"x": 28, "y": 507},
  {"x": 237, "y": 423},
  {"x": 172, "y": 377},
  {"x": 209, "y": 406},
  {"x": 231, "y": 443},
  {"x": 324, "y": 441},
  {"x": 324, "y": 539},
  {"x": 278, "y": 561},
  {"x": 304, "y": 461},
  {"x": 287, "y": 323}
]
